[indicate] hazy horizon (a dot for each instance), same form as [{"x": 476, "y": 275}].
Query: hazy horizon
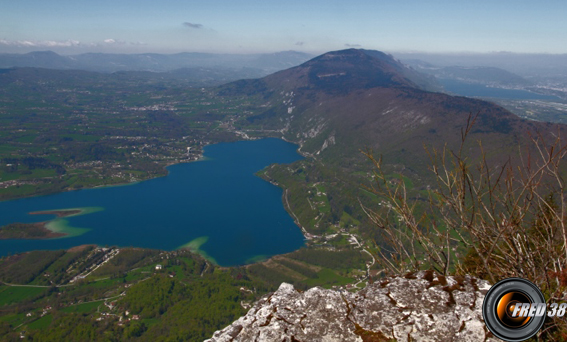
[
  {"x": 316, "y": 53},
  {"x": 251, "y": 26}
]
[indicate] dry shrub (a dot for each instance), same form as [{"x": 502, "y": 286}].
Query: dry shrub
[{"x": 493, "y": 222}]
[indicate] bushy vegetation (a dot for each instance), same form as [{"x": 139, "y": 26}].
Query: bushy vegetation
[{"x": 493, "y": 222}]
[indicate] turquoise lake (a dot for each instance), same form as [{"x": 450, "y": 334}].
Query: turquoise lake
[{"x": 216, "y": 204}]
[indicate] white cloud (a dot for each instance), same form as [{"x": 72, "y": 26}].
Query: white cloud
[
  {"x": 111, "y": 41},
  {"x": 114, "y": 42},
  {"x": 40, "y": 43}
]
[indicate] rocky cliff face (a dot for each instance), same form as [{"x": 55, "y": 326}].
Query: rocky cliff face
[{"x": 418, "y": 307}]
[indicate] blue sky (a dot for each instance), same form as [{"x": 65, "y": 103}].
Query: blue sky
[{"x": 169, "y": 26}]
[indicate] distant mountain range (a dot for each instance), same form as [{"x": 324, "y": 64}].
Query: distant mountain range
[
  {"x": 101, "y": 62},
  {"x": 473, "y": 74},
  {"x": 524, "y": 64}
]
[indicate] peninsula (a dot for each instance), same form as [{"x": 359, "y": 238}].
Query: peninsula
[{"x": 36, "y": 230}]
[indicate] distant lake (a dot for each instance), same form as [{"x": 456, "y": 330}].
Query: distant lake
[
  {"x": 479, "y": 90},
  {"x": 216, "y": 205}
]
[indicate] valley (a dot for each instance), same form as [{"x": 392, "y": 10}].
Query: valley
[{"x": 68, "y": 130}]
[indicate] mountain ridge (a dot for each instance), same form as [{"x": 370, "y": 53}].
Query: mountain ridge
[
  {"x": 340, "y": 72},
  {"x": 107, "y": 62},
  {"x": 352, "y": 89}
]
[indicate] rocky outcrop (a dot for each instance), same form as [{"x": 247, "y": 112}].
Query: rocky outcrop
[{"x": 418, "y": 307}]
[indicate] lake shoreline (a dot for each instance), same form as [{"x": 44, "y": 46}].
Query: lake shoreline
[
  {"x": 165, "y": 166},
  {"x": 39, "y": 230},
  {"x": 187, "y": 192},
  {"x": 187, "y": 161}
]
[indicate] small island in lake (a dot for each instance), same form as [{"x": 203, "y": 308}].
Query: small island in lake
[
  {"x": 58, "y": 213},
  {"x": 36, "y": 230}
]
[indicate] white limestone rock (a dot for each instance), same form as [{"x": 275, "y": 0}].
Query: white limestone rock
[{"x": 418, "y": 307}]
